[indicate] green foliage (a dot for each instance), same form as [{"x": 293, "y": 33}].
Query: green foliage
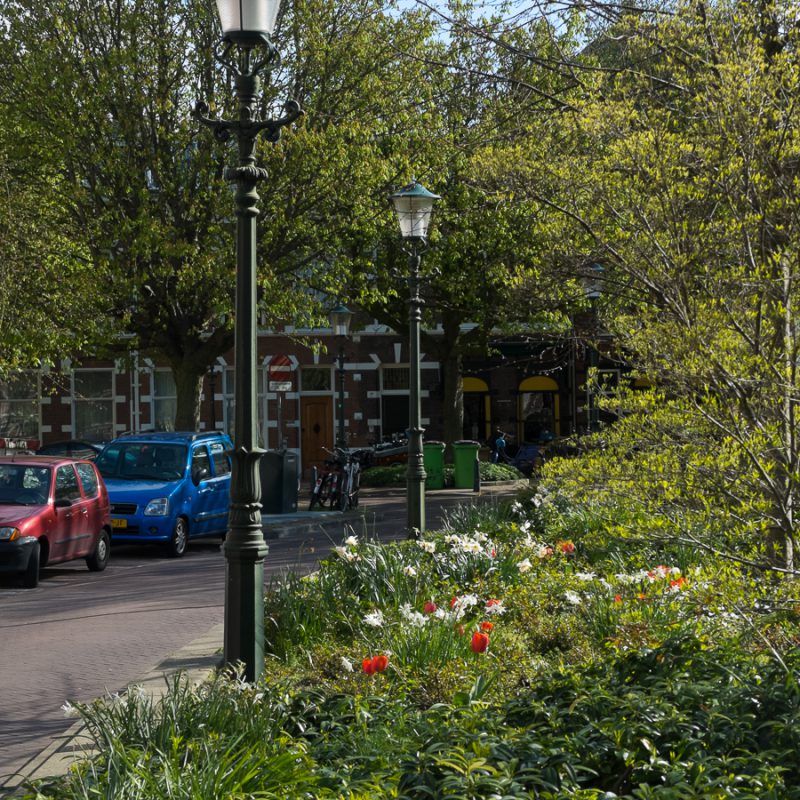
[{"x": 607, "y": 674}]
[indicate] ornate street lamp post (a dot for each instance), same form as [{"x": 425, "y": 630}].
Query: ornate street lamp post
[
  {"x": 414, "y": 205},
  {"x": 340, "y": 322},
  {"x": 246, "y": 27}
]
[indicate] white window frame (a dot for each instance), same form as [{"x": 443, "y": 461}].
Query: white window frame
[
  {"x": 74, "y": 400},
  {"x": 156, "y": 398},
  {"x": 37, "y": 399}
]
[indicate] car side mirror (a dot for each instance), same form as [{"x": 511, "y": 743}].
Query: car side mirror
[
  {"x": 201, "y": 474},
  {"x": 62, "y": 502}
]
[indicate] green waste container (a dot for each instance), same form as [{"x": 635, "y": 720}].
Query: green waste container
[
  {"x": 465, "y": 460},
  {"x": 433, "y": 455}
]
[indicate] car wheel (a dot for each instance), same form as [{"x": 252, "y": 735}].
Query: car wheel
[
  {"x": 97, "y": 561},
  {"x": 30, "y": 578},
  {"x": 180, "y": 539}
]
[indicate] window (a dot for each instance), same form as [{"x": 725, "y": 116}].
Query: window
[
  {"x": 222, "y": 464},
  {"x": 67, "y": 484},
  {"x": 165, "y": 400},
  {"x": 394, "y": 400},
  {"x": 19, "y": 406},
  {"x": 88, "y": 479},
  {"x": 200, "y": 462},
  {"x": 93, "y": 403},
  {"x": 315, "y": 379},
  {"x": 396, "y": 379}
]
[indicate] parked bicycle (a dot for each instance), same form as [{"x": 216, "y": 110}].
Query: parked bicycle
[{"x": 337, "y": 483}]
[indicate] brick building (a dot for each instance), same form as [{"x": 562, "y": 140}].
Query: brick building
[{"x": 529, "y": 389}]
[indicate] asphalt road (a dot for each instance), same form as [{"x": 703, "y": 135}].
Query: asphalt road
[{"x": 79, "y": 635}]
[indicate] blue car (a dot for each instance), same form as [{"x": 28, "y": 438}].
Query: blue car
[{"x": 167, "y": 487}]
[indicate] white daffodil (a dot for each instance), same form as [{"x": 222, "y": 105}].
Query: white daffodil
[
  {"x": 374, "y": 619},
  {"x": 69, "y": 710},
  {"x": 428, "y": 547},
  {"x": 347, "y": 666},
  {"x": 573, "y": 597},
  {"x": 524, "y": 565},
  {"x": 351, "y": 541},
  {"x": 410, "y": 571},
  {"x": 494, "y": 607},
  {"x": 585, "y": 576}
]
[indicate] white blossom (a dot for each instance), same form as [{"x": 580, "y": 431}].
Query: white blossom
[
  {"x": 374, "y": 619},
  {"x": 345, "y": 554},
  {"x": 428, "y": 547},
  {"x": 351, "y": 541},
  {"x": 496, "y": 607},
  {"x": 524, "y": 565},
  {"x": 347, "y": 665},
  {"x": 410, "y": 571},
  {"x": 69, "y": 710},
  {"x": 573, "y": 597},
  {"x": 585, "y": 576}
]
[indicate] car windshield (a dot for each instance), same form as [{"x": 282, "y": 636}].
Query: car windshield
[
  {"x": 24, "y": 485},
  {"x": 142, "y": 461}
]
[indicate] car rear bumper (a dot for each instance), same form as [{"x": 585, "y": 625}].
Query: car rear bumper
[{"x": 14, "y": 556}]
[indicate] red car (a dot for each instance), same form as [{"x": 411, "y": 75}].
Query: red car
[{"x": 52, "y": 509}]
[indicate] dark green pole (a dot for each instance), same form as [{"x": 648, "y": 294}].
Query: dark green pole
[
  {"x": 245, "y": 548},
  {"x": 341, "y": 437},
  {"x": 415, "y": 477}
]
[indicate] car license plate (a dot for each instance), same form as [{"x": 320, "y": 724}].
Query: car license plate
[{"x": 119, "y": 523}]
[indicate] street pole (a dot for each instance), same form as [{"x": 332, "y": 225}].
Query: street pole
[
  {"x": 414, "y": 206},
  {"x": 415, "y": 477},
  {"x": 244, "y": 547},
  {"x": 341, "y": 438}
]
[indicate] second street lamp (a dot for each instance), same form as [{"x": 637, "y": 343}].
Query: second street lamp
[
  {"x": 340, "y": 322},
  {"x": 414, "y": 206},
  {"x": 246, "y": 26}
]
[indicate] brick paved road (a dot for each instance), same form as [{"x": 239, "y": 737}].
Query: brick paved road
[{"x": 80, "y": 634}]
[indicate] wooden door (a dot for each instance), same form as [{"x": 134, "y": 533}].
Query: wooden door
[{"x": 316, "y": 421}]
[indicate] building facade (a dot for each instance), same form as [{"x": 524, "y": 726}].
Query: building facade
[{"x": 531, "y": 390}]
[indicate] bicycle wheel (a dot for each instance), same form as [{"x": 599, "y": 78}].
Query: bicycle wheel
[
  {"x": 340, "y": 501},
  {"x": 315, "y": 488},
  {"x": 327, "y": 491},
  {"x": 354, "y": 488}
]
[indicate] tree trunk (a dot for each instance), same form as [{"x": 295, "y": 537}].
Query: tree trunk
[
  {"x": 453, "y": 398},
  {"x": 188, "y": 385},
  {"x": 447, "y": 348}
]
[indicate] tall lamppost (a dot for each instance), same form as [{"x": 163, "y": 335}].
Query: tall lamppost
[
  {"x": 414, "y": 205},
  {"x": 246, "y": 28},
  {"x": 340, "y": 322}
]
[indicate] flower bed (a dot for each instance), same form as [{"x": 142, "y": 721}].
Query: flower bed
[{"x": 515, "y": 654}]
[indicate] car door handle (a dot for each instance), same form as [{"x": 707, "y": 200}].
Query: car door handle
[
  {"x": 206, "y": 491},
  {"x": 84, "y": 511}
]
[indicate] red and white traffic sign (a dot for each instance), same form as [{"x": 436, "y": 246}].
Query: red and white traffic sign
[{"x": 279, "y": 374}]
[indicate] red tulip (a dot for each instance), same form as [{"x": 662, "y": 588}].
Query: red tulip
[
  {"x": 486, "y": 626},
  {"x": 480, "y": 641},
  {"x": 368, "y": 666},
  {"x": 429, "y": 607},
  {"x": 380, "y": 663},
  {"x": 566, "y": 547},
  {"x": 617, "y": 598}
]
